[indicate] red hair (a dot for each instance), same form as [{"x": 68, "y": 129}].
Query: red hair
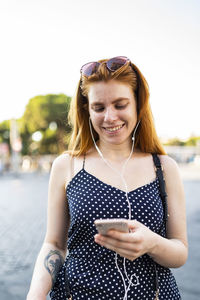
[{"x": 146, "y": 139}]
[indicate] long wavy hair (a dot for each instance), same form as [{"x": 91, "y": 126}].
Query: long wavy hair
[{"x": 146, "y": 139}]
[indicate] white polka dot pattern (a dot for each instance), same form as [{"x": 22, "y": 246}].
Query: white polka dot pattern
[{"x": 90, "y": 268}]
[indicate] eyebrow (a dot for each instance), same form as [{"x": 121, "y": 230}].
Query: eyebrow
[{"x": 114, "y": 101}]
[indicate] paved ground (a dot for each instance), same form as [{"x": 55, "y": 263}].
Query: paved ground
[{"x": 22, "y": 226}]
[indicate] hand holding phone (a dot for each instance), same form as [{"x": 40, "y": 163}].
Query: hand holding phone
[{"x": 104, "y": 225}]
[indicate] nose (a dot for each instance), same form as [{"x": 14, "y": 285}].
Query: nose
[{"x": 110, "y": 115}]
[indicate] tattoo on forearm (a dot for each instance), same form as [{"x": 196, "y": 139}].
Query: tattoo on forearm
[{"x": 53, "y": 262}]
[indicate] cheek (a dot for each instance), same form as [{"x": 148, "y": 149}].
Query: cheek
[
  {"x": 133, "y": 113},
  {"x": 129, "y": 116},
  {"x": 96, "y": 119}
]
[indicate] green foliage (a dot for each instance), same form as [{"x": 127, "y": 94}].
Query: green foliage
[
  {"x": 5, "y": 125},
  {"x": 192, "y": 141},
  {"x": 175, "y": 142},
  {"x": 40, "y": 112},
  {"x": 5, "y": 131}
]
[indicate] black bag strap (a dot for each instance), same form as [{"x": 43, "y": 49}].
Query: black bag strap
[
  {"x": 60, "y": 291},
  {"x": 67, "y": 288},
  {"x": 163, "y": 194}
]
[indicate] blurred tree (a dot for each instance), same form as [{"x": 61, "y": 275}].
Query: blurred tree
[
  {"x": 48, "y": 115},
  {"x": 193, "y": 141},
  {"x": 175, "y": 142},
  {"x": 5, "y": 132}
]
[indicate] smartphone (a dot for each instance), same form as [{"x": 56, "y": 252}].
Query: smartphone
[{"x": 103, "y": 225}]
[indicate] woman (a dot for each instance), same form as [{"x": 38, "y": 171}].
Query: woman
[{"x": 109, "y": 172}]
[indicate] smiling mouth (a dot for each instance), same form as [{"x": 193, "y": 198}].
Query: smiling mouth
[{"x": 113, "y": 129}]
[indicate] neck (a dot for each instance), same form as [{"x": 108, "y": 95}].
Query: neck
[{"x": 115, "y": 152}]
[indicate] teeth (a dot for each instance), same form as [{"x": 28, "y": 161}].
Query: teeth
[{"x": 114, "y": 128}]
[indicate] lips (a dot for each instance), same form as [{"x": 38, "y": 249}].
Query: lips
[{"x": 114, "y": 128}]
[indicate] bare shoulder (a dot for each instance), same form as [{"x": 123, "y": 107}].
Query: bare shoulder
[
  {"x": 170, "y": 166},
  {"x": 168, "y": 162},
  {"x": 61, "y": 162},
  {"x": 61, "y": 168}
]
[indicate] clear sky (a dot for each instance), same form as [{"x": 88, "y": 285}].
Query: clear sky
[{"x": 45, "y": 42}]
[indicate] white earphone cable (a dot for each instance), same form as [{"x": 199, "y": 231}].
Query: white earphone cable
[{"x": 129, "y": 205}]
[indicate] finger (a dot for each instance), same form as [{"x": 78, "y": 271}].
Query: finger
[
  {"x": 112, "y": 240},
  {"x": 132, "y": 237},
  {"x": 127, "y": 254},
  {"x": 116, "y": 245},
  {"x": 120, "y": 236},
  {"x": 124, "y": 252}
]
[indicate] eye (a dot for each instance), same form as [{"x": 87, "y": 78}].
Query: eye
[
  {"x": 120, "y": 106},
  {"x": 98, "y": 109}
]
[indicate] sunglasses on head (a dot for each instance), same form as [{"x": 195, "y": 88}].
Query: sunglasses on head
[{"x": 112, "y": 65}]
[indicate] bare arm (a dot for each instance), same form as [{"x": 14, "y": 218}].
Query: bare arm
[
  {"x": 173, "y": 250},
  {"x": 53, "y": 251},
  {"x": 48, "y": 263}
]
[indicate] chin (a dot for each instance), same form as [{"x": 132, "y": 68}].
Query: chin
[{"x": 116, "y": 141}]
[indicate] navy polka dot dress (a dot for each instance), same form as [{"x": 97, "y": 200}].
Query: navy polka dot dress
[{"x": 89, "y": 267}]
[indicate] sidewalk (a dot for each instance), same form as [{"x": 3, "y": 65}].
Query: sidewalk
[{"x": 22, "y": 227}]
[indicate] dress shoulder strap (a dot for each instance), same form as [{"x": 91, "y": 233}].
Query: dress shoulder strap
[
  {"x": 71, "y": 167},
  {"x": 84, "y": 160}
]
